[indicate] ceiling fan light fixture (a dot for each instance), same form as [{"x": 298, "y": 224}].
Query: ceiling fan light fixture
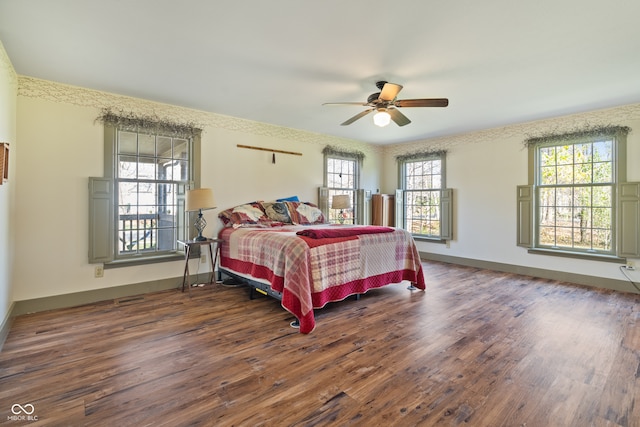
[{"x": 381, "y": 118}]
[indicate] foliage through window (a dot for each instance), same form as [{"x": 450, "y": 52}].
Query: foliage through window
[
  {"x": 152, "y": 171},
  {"x": 575, "y": 195},
  {"x": 422, "y": 185}
]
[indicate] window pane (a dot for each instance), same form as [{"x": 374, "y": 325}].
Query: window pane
[
  {"x": 582, "y": 153},
  {"x": 603, "y": 151},
  {"x": 164, "y": 146},
  {"x": 602, "y": 172},
  {"x": 127, "y": 143},
  {"x": 146, "y": 169},
  {"x": 548, "y": 175},
  {"x": 128, "y": 194},
  {"x": 583, "y": 173},
  {"x": 582, "y": 196},
  {"x": 564, "y": 155},
  {"x": 602, "y": 240},
  {"x": 547, "y": 156},
  {"x": 564, "y": 196},
  {"x": 602, "y": 218},
  {"x": 547, "y": 236},
  {"x": 146, "y": 145},
  {"x": 127, "y": 167},
  {"x": 547, "y": 216},
  {"x": 602, "y": 196},
  {"x": 565, "y": 174}
]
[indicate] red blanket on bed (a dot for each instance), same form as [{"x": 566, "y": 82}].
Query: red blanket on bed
[{"x": 332, "y": 232}]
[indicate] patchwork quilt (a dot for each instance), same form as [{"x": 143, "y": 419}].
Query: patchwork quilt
[{"x": 311, "y": 271}]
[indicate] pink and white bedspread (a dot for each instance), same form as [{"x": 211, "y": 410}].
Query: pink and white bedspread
[{"x": 310, "y": 272}]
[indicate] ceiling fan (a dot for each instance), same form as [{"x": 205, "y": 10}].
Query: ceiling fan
[{"x": 385, "y": 104}]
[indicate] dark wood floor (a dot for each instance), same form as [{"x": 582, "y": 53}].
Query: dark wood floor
[{"x": 478, "y": 348}]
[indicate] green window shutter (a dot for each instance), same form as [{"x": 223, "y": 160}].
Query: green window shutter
[
  {"x": 446, "y": 214},
  {"x": 399, "y": 213},
  {"x": 525, "y": 216},
  {"x": 100, "y": 220},
  {"x": 363, "y": 201},
  {"x": 629, "y": 219},
  {"x": 323, "y": 201}
]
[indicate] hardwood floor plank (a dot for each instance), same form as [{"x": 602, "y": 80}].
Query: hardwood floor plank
[{"x": 477, "y": 348}]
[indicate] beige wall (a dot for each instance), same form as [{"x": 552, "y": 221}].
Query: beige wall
[
  {"x": 61, "y": 145},
  {"x": 8, "y": 90},
  {"x": 484, "y": 169},
  {"x": 64, "y": 146}
]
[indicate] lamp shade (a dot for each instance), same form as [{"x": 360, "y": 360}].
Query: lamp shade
[
  {"x": 341, "y": 201},
  {"x": 200, "y": 198},
  {"x": 381, "y": 118}
]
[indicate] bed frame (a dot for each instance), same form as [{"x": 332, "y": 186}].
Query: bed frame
[
  {"x": 254, "y": 285},
  {"x": 265, "y": 289}
]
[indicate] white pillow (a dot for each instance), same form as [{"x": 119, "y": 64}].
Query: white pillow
[
  {"x": 252, "y": 212},
  {"x": 309, "y": 212}
]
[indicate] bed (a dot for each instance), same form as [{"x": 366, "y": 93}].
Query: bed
[{"x": 306, "y": 263}]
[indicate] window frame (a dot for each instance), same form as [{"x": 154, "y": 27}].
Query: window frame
[
  {"x": 445, "y": 197},
  {"x": 177, "y": 230},
  {"x": 110, "y": 173},
  {"x": 331, "y": 191},
  {"x": 529, "y": 204}
]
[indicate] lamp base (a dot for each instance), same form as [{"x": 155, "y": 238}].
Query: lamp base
[{"x": 200, "y": 224}]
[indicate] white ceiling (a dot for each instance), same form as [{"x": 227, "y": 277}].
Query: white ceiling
[{"x": 498, "y": 61}]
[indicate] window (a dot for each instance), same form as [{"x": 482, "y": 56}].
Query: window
[
  {"x": 579, "y": 202},
  {"x": 425, "y": 203},
  {"x": 137, "y": 210},
  {"x": 575, "y": 196},
  {"x": 342, "y": 177},
  {"x": 152, "y": 171}
]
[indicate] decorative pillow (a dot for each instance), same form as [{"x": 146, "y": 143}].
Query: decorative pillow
[
  {"x": 277, "y": 211},
  {"x": 249, "y": 213},
  {"x": 289, "y": 199},
  {"x": 305, "y": 213}
]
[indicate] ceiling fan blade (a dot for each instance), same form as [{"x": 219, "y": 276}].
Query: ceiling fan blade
[
  {"x": 346, "y": 103},
  {"x": 431, "y": 102},
  {"x": 398, "y": 117},
  {"x": 356, "y": 117},
  {"x": 390, "y": 91}
]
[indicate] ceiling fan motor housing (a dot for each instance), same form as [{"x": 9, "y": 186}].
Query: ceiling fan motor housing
[{"x": 373, "y": 98}]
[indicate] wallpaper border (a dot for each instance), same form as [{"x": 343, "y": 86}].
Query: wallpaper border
[
  {"x": 520, "y": 132},
  {"x": 31, "y": 87}
]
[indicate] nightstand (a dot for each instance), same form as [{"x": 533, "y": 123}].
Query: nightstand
[{"x": 188, "y": 244}]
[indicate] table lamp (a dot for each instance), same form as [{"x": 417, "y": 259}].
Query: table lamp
[
  {"x": 198, "y": 200},
  {"x": 342, "y": 202}
]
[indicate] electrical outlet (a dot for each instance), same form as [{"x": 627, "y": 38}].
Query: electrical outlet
[
  {"x": 631, "y": 264},
  {"x": 203, "y": 256},
  {"x": 99, "y": 271}
]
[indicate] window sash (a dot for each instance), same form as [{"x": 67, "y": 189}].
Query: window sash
[{"x": 565, "y": 223}]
